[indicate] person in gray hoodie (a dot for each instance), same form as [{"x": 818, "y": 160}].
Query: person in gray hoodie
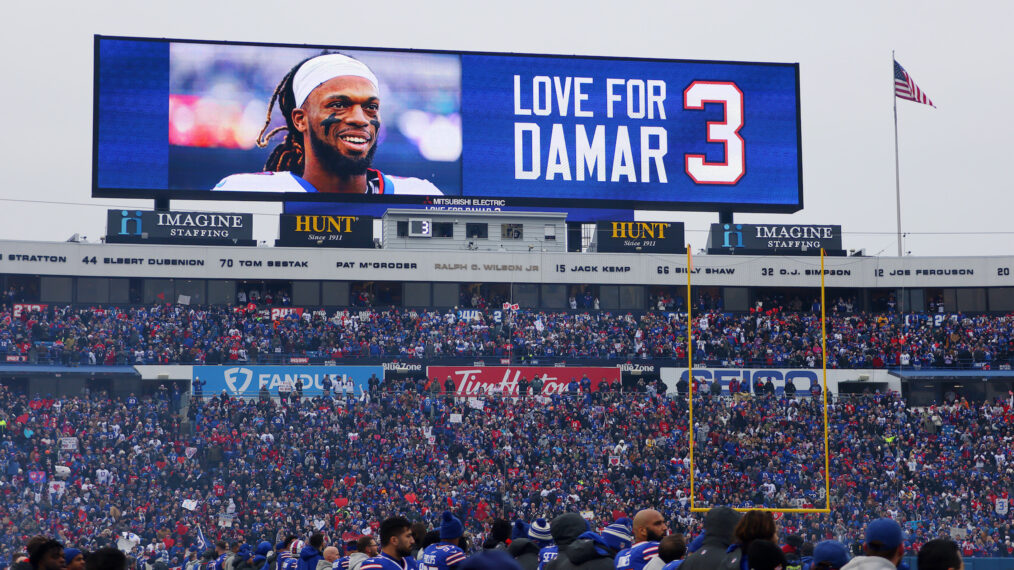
[
  {"x": 719, "y": 524},
  {"x": 366, "y": 548},
  {"x": 330, "y": 555}
]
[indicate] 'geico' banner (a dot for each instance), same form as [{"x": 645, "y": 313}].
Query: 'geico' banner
[
  {"x": 461, "y": 130},
  {"x": 247, "y": 380},
  {"x": 483, "y": 380},
  {"x": 640, "y": 237},
  {"x": 803, "y": 379},
  {"x": 297, "y": 230}
]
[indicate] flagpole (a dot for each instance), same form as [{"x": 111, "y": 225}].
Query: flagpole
[{"x": 897, "y": 171}]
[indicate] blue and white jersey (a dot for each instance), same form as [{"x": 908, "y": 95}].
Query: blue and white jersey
[
  {"x": 441, "y": 556},
  {"x": 547, "y": 555},
  {"x": 636, "y": 557},
  {"x": 385, "y": 562},
  {"x": 220, "y": 562},
  {"x": 288, "y": 563},
  {"x": 284, "y": 181}
]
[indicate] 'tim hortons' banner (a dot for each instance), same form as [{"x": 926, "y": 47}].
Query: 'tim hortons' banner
[{"x": 245, "y": 381}]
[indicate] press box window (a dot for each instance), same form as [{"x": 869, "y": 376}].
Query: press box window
[
  {"x": 511, "y": 231},
  {"x": 402, "y": 229},
  {"x": 443, "y": 229},
  {"x": 479, "y": 231}
]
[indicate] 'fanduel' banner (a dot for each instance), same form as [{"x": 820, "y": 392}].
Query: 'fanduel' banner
[{"x": 246, "y": 381}]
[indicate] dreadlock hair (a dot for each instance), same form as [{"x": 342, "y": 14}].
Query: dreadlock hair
[{"x": 288, "y": 155}]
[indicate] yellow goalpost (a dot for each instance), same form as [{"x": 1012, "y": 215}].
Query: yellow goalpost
[{"x": 690, "y": 374}]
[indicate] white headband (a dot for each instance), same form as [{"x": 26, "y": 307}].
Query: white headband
[{"x": 318, "y": 70}]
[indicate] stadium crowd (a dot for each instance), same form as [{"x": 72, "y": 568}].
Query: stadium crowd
[
  {"x": 769, "y": 336},
  {"x": 254, "y": 470}
]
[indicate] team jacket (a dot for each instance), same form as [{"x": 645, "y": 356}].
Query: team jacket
[
  {"x": 637, "y": 556},
  {"x": 385, "y": 562},
  {"x": 441, "y": 556}
]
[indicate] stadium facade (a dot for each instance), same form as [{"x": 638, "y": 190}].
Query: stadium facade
[{"x": 335, "y": 280}]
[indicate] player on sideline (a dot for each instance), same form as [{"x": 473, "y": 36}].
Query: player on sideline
[
  {"x": 333, "y": 102},
  {"x": 446, "y": 553},
  {"x": 649, "y": 528},
  {"x": 396, "y": 543}
]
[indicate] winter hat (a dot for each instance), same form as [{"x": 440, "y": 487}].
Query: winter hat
[
  {"x": 619, "y": 535},
  {"x": 540, "y": 531},
  {"x": 602, "y": 548},
  {"x": 765, "y": 555},
  {"x": 832, "y": 552},
  {"x": 490, "y": 560},
  {"x": 450, "y": 526},
  {"x": 501, "y": 530},
  {"x": 792, "y": 543},
  {"x": 69, "y": 554},
  {"x": 886, "y": 533},
  {"x": 520, "y": 530},
  {"x": 263, "y": 548}
]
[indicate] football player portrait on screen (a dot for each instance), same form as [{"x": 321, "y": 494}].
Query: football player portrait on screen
[{"x": 331, "y": 105}]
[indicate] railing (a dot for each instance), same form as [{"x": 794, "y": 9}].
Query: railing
[
  {"x": 44, "y": 357},
  {"x": 973, "y": 563}
]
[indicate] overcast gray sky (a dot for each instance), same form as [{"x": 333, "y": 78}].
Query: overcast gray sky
[{"x": 956, "y": 191}]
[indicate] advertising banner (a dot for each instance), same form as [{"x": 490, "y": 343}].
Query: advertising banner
[
  {"x": 20, "y": 309},
  {"x": 198, "y": 120},
  {"x": 640, "y": 237},
  {"x": 245, "y": 381},
  {"x": 748, "y": 379},
  {"x": 278, "y": 313},
  {"x": 780, "y": 239},
  {"x": 179, "y": 228},
  {"x": 804, "y": 379},
  {"x": 484, "y": 380},
  {"x": 296, "y": 230}
]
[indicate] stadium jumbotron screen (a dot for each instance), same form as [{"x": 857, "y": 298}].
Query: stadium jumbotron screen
[{"x": 231, "y": 121}]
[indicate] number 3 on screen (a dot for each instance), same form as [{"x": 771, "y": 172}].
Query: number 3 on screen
[{"x": 725, "y": 132}]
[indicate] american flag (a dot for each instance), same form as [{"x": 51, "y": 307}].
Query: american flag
[{"x": 905, "y": 88}]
